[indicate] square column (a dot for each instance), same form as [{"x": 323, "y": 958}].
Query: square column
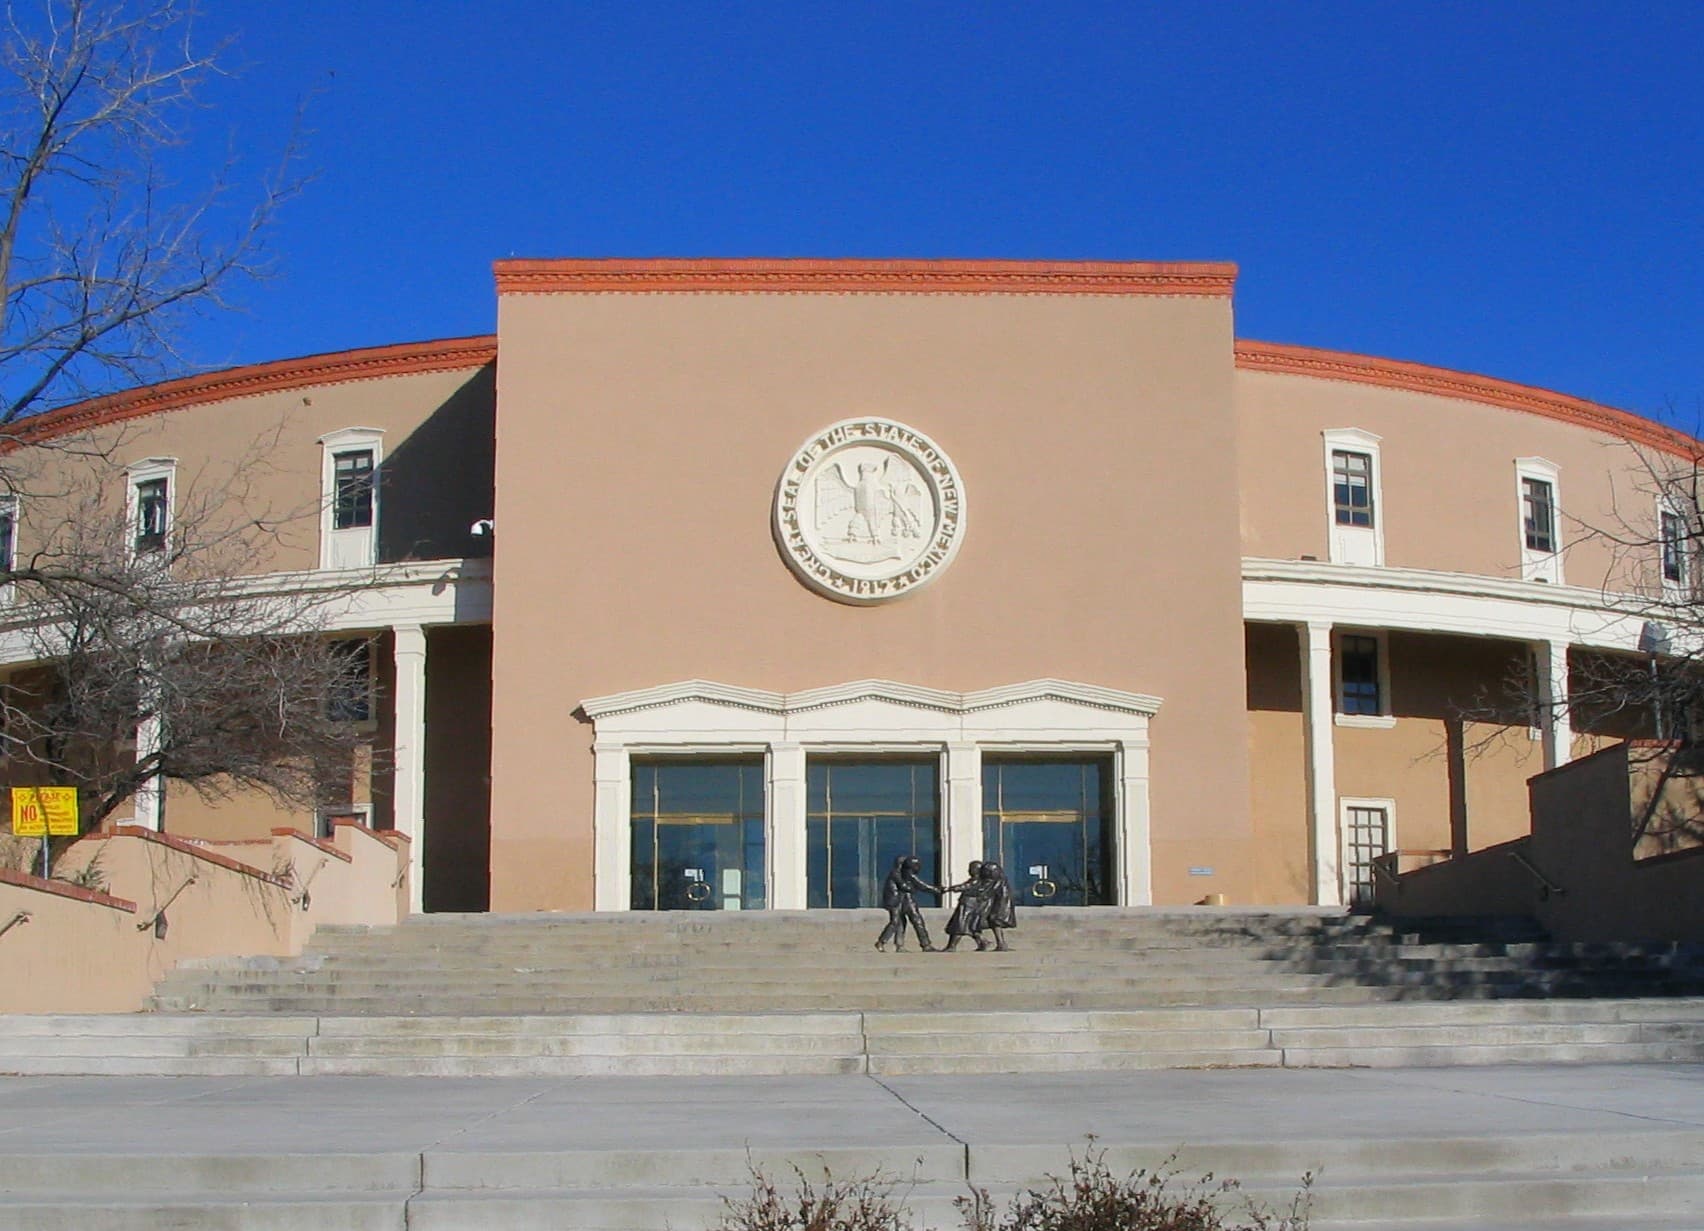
[
  {"x": 149, "y": 798},
  {"x": 408, "y": 791},
  {"x": 1135, "y": 862},
  {"x": 1318, "y": 705},
  {"x": 1556, "y": 724},
  {"x": 787, "y": 875},
  {"x": 612, "y": 828},
  {"x": 962, "y": 826}
]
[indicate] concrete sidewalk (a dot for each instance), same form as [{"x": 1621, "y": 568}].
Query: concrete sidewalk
[{"x": 1478, "y": 1143}]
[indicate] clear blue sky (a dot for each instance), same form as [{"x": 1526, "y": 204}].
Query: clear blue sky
[{"x": 1509, "y": 188}]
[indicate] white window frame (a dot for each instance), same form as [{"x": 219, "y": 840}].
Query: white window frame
[
  {"x": 1344, "y": 804},
  {"x": 1545, "y": 566},
  {"x": 136, "y": 474},
  {"x": 1384, "y": 719},
  {"x": 9, "y": 504},
  {"x": 1681, "y": 588},
  {"x": 323, "y": 817},
  {"x": 1362, "y": 545},
  {"x": 356, "y": 547}
]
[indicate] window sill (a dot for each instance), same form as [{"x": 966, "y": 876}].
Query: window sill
[{"x": 1381, "y": 722}]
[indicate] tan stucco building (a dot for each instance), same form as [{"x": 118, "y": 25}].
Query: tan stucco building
[{"x": 716, "y": 584}]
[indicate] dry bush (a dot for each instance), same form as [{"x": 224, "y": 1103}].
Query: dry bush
[
  {"x": 864, "y": 1204},
  {"x": 1091, "y": 1197}
]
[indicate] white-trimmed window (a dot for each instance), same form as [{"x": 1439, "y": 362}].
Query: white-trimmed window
[
  {"x": 1538, "y": 493},
  {"x": 148, "y": 503},
  {"x": 1675, "y": 533},
  {"x": 349, "y": 497},
  {"x": 1368, "y": 830},
  {"x": 1354, "y": 496},
  {"x": 1361, "y": 678},
  {"x": 326, "y": 818},
  {"x": 8, "y": 542}
]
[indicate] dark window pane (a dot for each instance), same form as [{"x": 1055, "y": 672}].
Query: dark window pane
[
  {"x": 1359, "y": 671},
  {"x": 352, "y": 500},
  {"x": 703, "y": 845},
  {"x": 863, "y": 816},
  {"x": 1540, "y": 518},
  {"x": 151, "y": 507}
]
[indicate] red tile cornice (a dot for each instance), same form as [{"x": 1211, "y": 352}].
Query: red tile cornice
[
  {"x": 338, "y": 367},
  {"x": 743, "y": 276},
  {"x": 1445, "y": 382},
  {"x": 64, "y": 889}
]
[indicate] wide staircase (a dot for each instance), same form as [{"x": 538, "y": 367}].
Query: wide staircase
[
  {"x": 805, "y": 994},
  {"x": 786, "y": 1043}
]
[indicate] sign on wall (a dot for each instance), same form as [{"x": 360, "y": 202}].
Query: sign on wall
[{"x": 40, "y": 811}]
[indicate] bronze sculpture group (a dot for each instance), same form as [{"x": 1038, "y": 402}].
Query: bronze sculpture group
[{"x": 985, "y": 904}]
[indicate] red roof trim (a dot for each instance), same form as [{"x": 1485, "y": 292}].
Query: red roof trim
[
  {"x": 1467, "y": 386},
  {"x": 187, "y": 848},
  {"x": 23, "y": 880},
  {"x": 335, "y": 368},
  {"x": 904, "y": 277},
  {"x": 285, "y": 831}
]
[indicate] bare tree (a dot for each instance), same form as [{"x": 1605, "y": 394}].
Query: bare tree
[
  {"x": 178, "y": 659},
  {"x": 102, "y": 256},
  {"x": 148, "y": 657}
]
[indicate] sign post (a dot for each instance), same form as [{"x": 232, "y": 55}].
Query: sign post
[{"x": 43, "y": 812}]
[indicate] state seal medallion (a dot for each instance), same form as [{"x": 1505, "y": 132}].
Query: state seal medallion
[{"x": 868, "y": 510}]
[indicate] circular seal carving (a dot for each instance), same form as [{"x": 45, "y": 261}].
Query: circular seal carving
[{"x": 868, "y": 510}]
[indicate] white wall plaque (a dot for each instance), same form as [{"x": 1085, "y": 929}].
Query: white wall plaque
[{"x": 868, "y": 510}]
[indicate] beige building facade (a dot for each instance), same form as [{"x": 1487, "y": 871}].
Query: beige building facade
[{"x": 719, "y": 584}]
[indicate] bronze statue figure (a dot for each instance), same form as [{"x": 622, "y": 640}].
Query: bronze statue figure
[
  {"x": 999, "y": 909},
  {"x": 966, "y": 918},
  {"x": 898, "y": 897}
]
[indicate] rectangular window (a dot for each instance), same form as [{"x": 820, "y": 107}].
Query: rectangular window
[
  {"x": 152, "y": 503},
  {"x": 1359, "y": 672},
  {"x": 1674, "y": 548},
  {"x": 1048, "y": 822},
  {"x": 8, "y": 532},
  {"x": 352, "y": 498},
  {"x": 697, "y": 840},
  {"x": 1538, "y": 510},
  {"x": 1352, "y": 487},
  {"x": 860, "y": 817},
  {"x": 351, "y": 696}
]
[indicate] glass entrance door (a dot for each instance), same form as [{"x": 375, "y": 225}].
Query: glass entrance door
[
  {"x": 861, "y": 816},
  {"x": 1049, "y": 825},
  {"x": 698, "y": 835}
]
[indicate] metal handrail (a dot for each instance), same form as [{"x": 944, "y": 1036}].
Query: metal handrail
[
  {"x": 161, "y": 913},
  {"x": 1548, "y": 885},
  {"x": 22, "y": 916}
]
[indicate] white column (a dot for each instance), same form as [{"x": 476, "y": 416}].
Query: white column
[
  {"x": 150, "y": 796},
  {"x": 1555, "y": 723},
  {"x": 612, "y": 828},
  {"x": 1135, "y": 862},
  {"x": 962, "y": 826},
  {"x": 1318, "y": 706},
  {"x": 787, "y": 888},
  {"x": 408, "y": 791}
]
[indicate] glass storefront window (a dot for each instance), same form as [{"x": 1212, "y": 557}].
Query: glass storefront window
[
  {"x": 698, "y": 834},
  {"x": 861, "y": 816},
  {"x": 1048, "y": 822}
]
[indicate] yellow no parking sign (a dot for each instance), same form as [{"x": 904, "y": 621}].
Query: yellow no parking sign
[{"x": 38, "y": 811}]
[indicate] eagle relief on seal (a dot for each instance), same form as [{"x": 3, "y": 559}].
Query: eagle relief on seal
[{"x": 869, "y": 509}]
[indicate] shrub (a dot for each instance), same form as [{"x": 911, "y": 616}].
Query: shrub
[
  {"x": 864, "y": 1204},
  {"x": 1091, "y": 1197}
]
